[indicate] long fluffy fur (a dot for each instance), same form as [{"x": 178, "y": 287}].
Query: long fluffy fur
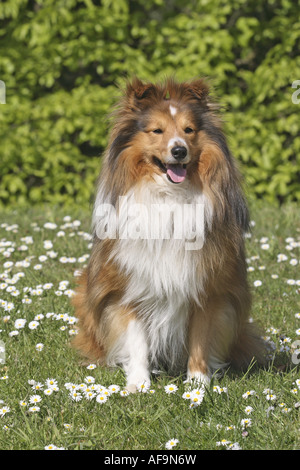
[{"x": 146, "y": 302}]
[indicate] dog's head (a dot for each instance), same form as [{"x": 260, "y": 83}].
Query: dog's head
[{"x": 172, "y": 132}]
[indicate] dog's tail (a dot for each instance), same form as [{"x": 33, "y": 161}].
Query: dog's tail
[{"x": 250, "y": 346}]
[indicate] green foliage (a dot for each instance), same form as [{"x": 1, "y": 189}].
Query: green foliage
[{"x": 62, "y": 59}]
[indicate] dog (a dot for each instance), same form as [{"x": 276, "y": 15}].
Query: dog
[{"x": 151, "y": 297}]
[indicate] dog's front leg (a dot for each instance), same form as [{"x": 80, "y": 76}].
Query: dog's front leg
[
  {"x": 198, "y": 346},
  {"x": 136, "y": 364}
]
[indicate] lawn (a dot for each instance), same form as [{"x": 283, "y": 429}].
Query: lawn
[{"x": 49, "y": 400}]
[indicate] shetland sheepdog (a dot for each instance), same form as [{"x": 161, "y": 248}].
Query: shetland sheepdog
[{"x": 166, "y": 284}]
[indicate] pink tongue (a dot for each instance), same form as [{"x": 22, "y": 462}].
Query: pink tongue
[{"x": 176, "y": 172}]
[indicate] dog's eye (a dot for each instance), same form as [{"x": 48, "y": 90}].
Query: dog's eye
[
  {"x": 158, "y": 131},
  {"x": 188, "y": 130}
]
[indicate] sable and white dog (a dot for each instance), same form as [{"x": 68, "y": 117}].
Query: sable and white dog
[{"x": 166, "y": 282}]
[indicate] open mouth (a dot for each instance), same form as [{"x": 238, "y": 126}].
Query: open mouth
[{"x": 176, "y": 172}]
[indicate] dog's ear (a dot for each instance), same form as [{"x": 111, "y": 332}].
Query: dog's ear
[
  {"x": 137, "y": 90},
  {"x": 199, "y": 90}
]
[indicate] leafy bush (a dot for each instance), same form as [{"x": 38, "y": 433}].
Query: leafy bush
[{"x": 62, "y": 59}]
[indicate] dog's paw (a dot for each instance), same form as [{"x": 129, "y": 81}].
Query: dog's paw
[
  {"x": 131, "y": 388},
  {"x": 198, "y": 378},
  {"x": 135, "y": 384}
]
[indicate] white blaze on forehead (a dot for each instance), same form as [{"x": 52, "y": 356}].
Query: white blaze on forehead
[{"x": 173, "y": 110}]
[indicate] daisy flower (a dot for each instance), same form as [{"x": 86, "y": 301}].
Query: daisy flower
[
  {"x": 265, "y": 246},
  {"x": 187, "y": 395},
  {"x": 171, "y": 388},
  {"x": 248, "y": 410},
  {"x": 248, "y": 394},
  {"x": 89, "y": 394},
  {"x": 20, "y": 323},
  {"x": 89, "y": 380},
  {"x": 35, "y": 399},
  {"x": 124, "y": 393},
  {"x": 234, "y": 446},
  {"x": 143, "y": 387},
  {"x": 39, "y": 347},
  {"x": 271, "y": 397},
  {"x": 101, "y": 398},
  {"x": 48, "y": 244},
  {"x": 223, "y": 442},
  {"x": 33, "y": 325},
  {"x": 195, "y": 401},
  {"x": 13, "y": 333},
  {"x": 70, "y": 386},
  {"x": 82, "y": 387},
  {"x": 75, "y": 396},
  {"x": 257, "y": 283},
  {"x": 34, "y": 409},
  {"x": 230, "y": 428},
  {"x": 50, "y": 225},
  {"x": 51, "y": 382},
  {"x": 37, "y": 386},
  {"x": 48, "y": 391},
  {"x": 171, "y": 443},
  {"x": 199, "y": 392},
  {"x": 50, "y": 447},
  {"x": 245, "y": 423},
  {"x": 91, "y": 366},
  {"x": 39, "y": 317},
  {"x": 281, "y": 257},
  {"x": 219, "y": 389},
  {"x": 196, "y": 398},
  {"x": 4, "y": 410},
  {"x": 114, "y": 388},
  {"x": 9, "y": 306}
]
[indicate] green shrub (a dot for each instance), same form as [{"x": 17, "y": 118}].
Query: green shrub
[{"x": 62, "y": 59}]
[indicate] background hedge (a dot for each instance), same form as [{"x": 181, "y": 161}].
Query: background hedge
[{"x": 62, "y": 59}]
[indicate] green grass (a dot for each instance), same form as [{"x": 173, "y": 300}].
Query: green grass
[{"x": 140, "y": 421}]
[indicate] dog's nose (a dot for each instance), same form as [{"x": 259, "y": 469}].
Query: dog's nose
[{"x": 179, "y": 152}]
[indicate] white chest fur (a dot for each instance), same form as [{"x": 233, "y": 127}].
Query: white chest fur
[{"x": 162, "y": 261}]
